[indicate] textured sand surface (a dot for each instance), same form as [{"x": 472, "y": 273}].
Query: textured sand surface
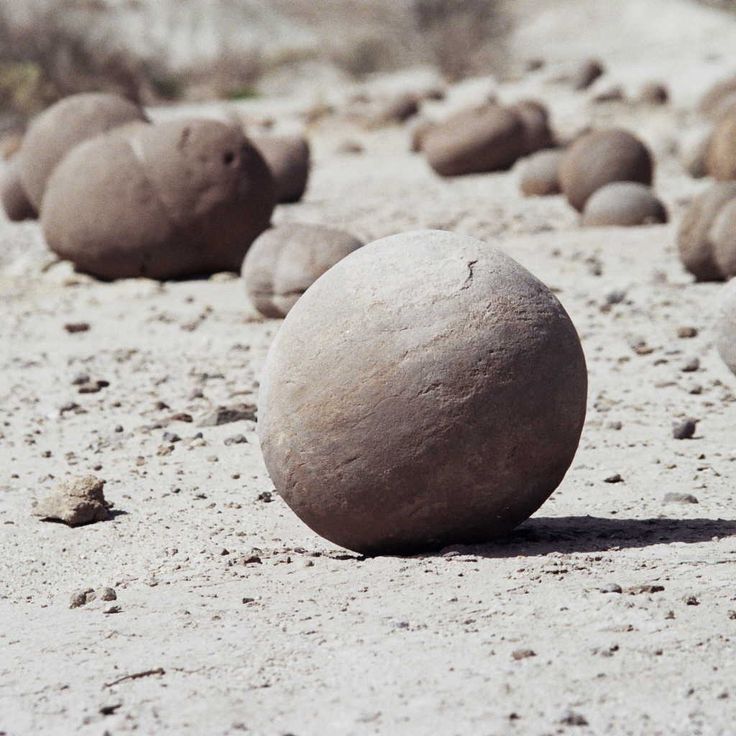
[{"x": 239, "y": 620}]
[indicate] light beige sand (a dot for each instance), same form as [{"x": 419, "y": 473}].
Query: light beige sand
[{"x": 252, "y": 624}]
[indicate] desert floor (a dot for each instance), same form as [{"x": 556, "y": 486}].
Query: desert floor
[{"x": 246, "y": 621}]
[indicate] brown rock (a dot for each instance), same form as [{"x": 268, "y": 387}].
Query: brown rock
[
  {"x": 286, "y": 260},
  {"x": 654, "y": 93},
  {"x": 694, "y": 235},
  {"x": 726, "y": 326},
  {"x": 418, "y": 133},
  {"x": 693, "y": 151},
  {"x": 624, "y": 204},
  {"x": 602, "y": 157},
  {"x": 61, "y": 127},
  {"x": 398, "y": 109},
  {"x": 715, "y": 96},
  {"x": 722, "y": 236},
  {"x": 585, "y": 73},
  {"x": 288, "y": 157},
  {"x": 162, "y": 201},
  {"x": 535, "y": 119},
  {"x": 540, "y": 173},
  {"x": 450, "y": 405},
  {"x": 476, "y": 140},
  {"x": 14, "y": 198},
  {"x": 76, "y": 501},
  {"x": 720, "y": 157}
]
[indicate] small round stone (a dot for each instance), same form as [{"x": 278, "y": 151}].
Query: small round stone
[
  {"x": 694, "y": 234},
  {"x": 623, "y": 204},
  {"x": 585, "y": 73},
  {"x": 286, "y": 260},
  {"x": 726, "y": 326},
  {"x": 14, "y": 199},
  {"x": 475, "y": 140},
  {"x": 535, "y": 119},
  {"x": 602, "y": 157},
  {"x": 427, "y": 390},
  {"x": 654, "y": 93},
  {"x": 540, "y": 173},
  {"x": 162, "y": 201},
  {"x": 58, "y": 129},
  {"x": 288, "y": 157}
]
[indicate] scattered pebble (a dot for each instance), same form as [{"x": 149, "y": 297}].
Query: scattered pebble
[
  {"x": 76, "y": 501},
  {"x": 685, "y": 429},
  {"x": 674, "y": 497}
]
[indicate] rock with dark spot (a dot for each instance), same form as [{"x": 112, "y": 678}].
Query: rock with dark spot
[
  {"x": 286, "y": 260},
  {"x": 64, "y": 125},
  {"x": 400, "y": 440},
  {"x": 602, "y": 157},
  {"x": 475, "y": 140},
  {"x": 623, "y": 204},
  {"x": 163, "y": 201},
  {"x": 694, "y": 236},
  {"x": 288, "y": 158},
  {"x": 540, "y": 173},
  {"x": 76, "y": 501}
]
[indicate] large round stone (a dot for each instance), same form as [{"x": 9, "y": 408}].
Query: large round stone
[
  {"x": 163, "y": 201},
  {"x": 476, "y": 140},
  {"x": 623, "y": 204},
  {"x": 61, "y": 127},
  {"x": 540, "y": 173},
  {"x": 286, "y": 260},
  {"x": 427, "y": 390},
  {"x": 694, "y": 234},
  {"x": 602, "y": 157},
  {"x": 726, "y": 325}
]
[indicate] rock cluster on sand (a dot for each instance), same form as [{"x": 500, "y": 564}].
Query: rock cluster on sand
[
  {"x": 427, "y": 390},
  {"x": 540, "y": 173},
  {"x": 79, "y": 500},
  {"x": 601, "y": 157},
  {"x": 288, "y": 158},
  {"x": 695, "y": 237},
  {"x": 14, "y": 199},
  {"x": 286, "y": 260},
  {"x": 623, "y": 204},
  {"x": 163, "y": 201},
  {"x": 57, "y": 130}
]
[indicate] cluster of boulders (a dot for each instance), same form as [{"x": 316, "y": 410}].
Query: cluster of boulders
[{"x": 120, "y": 196}]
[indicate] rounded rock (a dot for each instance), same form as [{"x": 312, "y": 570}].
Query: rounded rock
[
  {"x": 602, "y": 157},
  {"x": 540, "y": 173},
  {"x": 14, "y": 199},
  {"x": 725, "y": 327},
  {"x": 714, "y": 97},
  {"x": 722, "y": 236},
  {"x": 585, "y": 73},
  {"x": 623, "y": 204},
  {"x": 61, "y": 127},
  {"x": 475, "y": 140},
  {"x": 443, "y": 403},
  {"x": 720, "y": 158},
  {"x": 654, "y": 93},
  {"x": 288, "y": 157},
  {"x": 535, "y": 119},
  {"x": 694, "y": 234},
  {"x": 162, "y": 201},
  {"x": 693, "y": 149},
  {"x": 286, "y": 260}
]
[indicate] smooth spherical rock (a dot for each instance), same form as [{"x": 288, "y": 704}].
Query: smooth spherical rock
[
  {"x": 725, "y": 328},
  {"x": 163, "y": 201},
  {"x": 535, "y": 119},
  {"x": 720, "y": 158},
  {"x": 540, "y": 173},
  {"x": 602, "y": 157},
  {"x": 288, "y": 157},
  {"x": 427, "y": 390},
  {"x": 623, "y": 204},
  {"x": 286, "y": 260},
  {"x": 61, "y": 127},
  {"x": 14, "y": 199},
  {"x": 694, "y": 234},
  {"x": 475, "y": 140},
  {"x": 722, "y": 236}
]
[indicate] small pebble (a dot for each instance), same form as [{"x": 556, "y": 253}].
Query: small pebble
[
  {"x": 674, "y": 497},
  {"x": 615, "y": 478},
  {"x": 685, "y": 429},
  {"x": 611, "y": 588}
]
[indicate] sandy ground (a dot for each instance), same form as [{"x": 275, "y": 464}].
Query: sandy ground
[{"x": 244, "y": 620}]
